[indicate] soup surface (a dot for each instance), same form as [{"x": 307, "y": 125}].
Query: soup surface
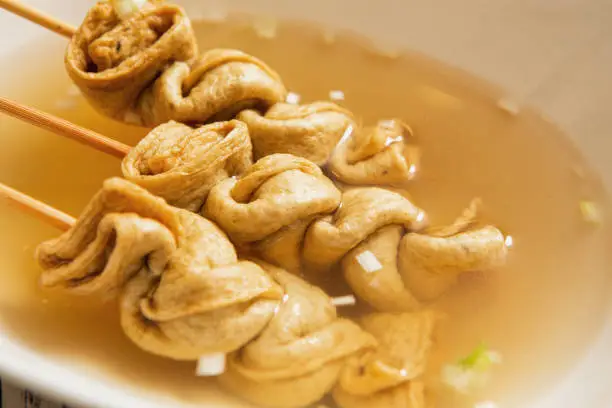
[{"x": 540, "y": 312}]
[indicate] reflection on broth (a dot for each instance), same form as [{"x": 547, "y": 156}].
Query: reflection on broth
[{"x": 540, "y": 311}]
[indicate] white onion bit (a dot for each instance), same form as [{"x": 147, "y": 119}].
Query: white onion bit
[
  {"x": 293, "y": 98},
  {"x": 486, "y": 404},
  {"x": 494, "y": 357},
  {"x": 212, "y": 13},
  {"x": 211, "y": 365},
  {"x": 369, "y": 262},
  {"x": 124, "y": 8},
  {"x": 329, "y": 36},
  {"x": 66, "y": 103},
  {"x": 509, "y": 106},
  {"x": 73, "y": 90},
  {"x": 396, "y": 139},
  {"x": 265, "y": 27},
  {"x": 336, "y": 95},
  {"x": 348, "y": 132},
  {"x": 459, "y": 379},
  {"x": 384, "y": 50},
  {"x": 348, "y": 300},
  {"x": 132, "y": 118},
  {"x": 509, "y": 241},
  {"x": 420, "y": 216}
]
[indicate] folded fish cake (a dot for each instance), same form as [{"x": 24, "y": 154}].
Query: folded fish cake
[
  {"x": 298, "y": 357},
  {"x": 215, "y": 86},
  {"x": 379, "y": 284},
  {"x": 416, "y": 267},
  {"x": 205, "y": 301},
  {"x": 380, "y": 155},
  {"x": 363, "y": 212},
  {"x": 310, "y": 131},
  {"x": 183, "y": 291},
  {"x": 112, "y": 60},
  {"x": 181, "y": 164},
  {"x": 271, "y": 205},
  {"x": 122, "y": 227},
  {"x": 391, "y": 375},
  {"x": 431, "y": 262}
]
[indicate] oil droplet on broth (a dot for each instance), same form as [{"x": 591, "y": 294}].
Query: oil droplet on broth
[{"x": 474, "y": 143}]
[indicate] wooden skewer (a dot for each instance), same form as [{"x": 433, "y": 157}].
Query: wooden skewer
[
  {"x": 38, "y": 209},
  {"x": 63, "y": 128},
  {"x": 38, "y": 17}
]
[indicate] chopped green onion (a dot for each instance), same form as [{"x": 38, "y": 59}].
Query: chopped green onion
[
  {"x": 590, "y": 212},
  {"x": 471, "y": 372},
  {"x": 480, "y": 359}
]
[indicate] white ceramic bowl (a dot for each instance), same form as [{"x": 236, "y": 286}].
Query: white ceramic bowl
[{"x": 554, "y": 54}]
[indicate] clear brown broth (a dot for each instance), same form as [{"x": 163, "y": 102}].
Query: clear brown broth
[{"x": 541, "y": 311}]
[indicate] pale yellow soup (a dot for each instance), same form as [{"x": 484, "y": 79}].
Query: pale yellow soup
[{"x": 540, "y": 312}]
